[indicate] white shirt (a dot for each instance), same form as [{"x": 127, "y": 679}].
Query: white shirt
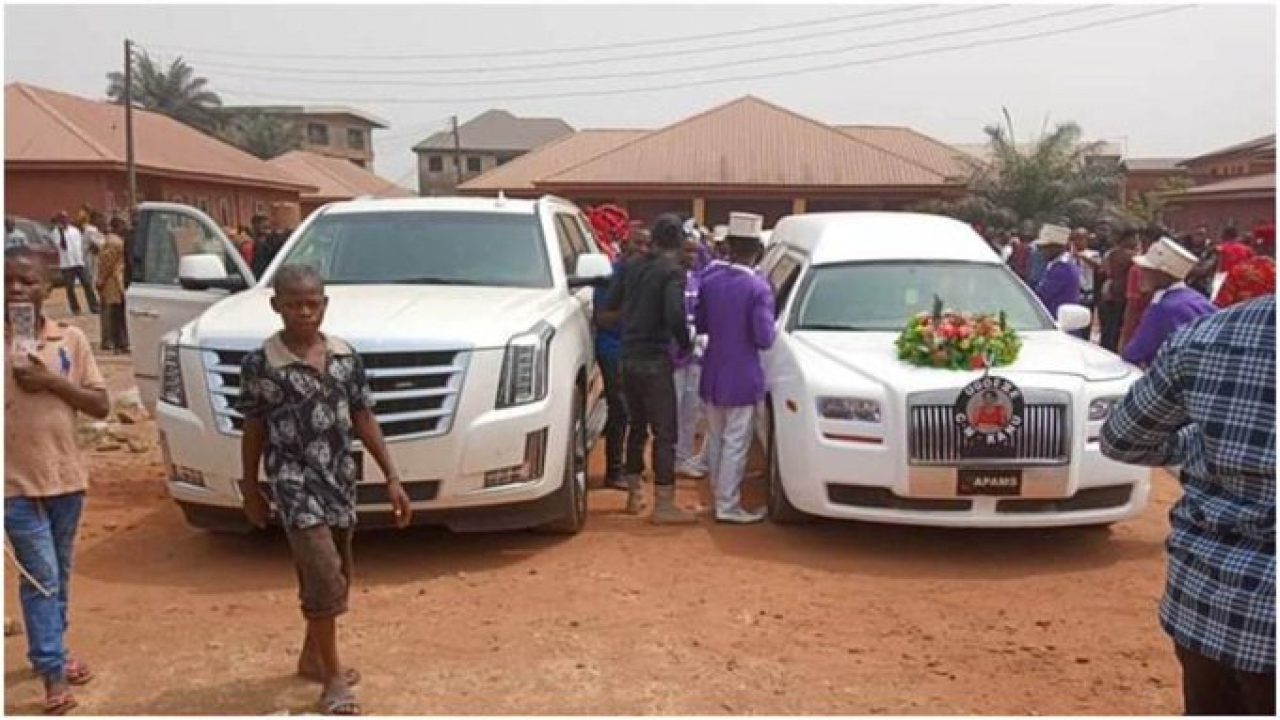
[
  {"x": 1086, "y": 270},
  {"x": 93, "y": 238},
  {"x": 1158, "y": 295},
  {"x": 73, "y": 254}
]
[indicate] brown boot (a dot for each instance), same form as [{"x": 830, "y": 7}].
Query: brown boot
[{"x": 665, "y": 511}]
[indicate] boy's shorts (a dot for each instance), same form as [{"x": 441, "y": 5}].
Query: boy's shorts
[{"x": 323, "y": 558}]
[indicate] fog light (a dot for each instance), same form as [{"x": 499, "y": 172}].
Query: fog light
[{"x": 535, "y": 460}]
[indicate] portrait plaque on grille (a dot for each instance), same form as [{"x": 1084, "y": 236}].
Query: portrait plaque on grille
[{"x": 990, "y": 412}]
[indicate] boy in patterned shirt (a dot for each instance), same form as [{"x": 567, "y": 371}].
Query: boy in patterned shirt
[{"x": 302, "y": 395}]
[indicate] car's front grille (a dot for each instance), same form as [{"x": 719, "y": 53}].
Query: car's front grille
[
  {"x": 1099, "y": 498},
  {"x": 415, "y": 393},
  {"x": 882, "y": 497},
  {"x": 935, "y": 438}
]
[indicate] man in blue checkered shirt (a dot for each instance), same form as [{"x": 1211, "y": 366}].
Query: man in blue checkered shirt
[{"x": 1209, "y": 404}]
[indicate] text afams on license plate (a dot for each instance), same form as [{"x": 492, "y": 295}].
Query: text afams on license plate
[{"x": 995, "y": 481}]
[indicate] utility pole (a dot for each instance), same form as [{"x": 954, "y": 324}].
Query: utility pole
[
  {"x": 130, "y": 167},
  {"x": 457, "y": 152}
]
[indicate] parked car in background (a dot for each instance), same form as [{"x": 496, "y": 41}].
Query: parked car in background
[
  {"x": 40, "y": 238},
  {"x": 853, "y": 432},
  {"x": 472, "y": 316}
]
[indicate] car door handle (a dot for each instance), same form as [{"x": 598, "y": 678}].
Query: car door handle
[{"x": 149, "y": 314}]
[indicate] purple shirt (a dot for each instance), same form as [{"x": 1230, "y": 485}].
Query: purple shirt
[
  {"x": 735, "y": 311},
  {"x": 1059, "y": 286},
  {"x": 691, "y": 287},
  {"x": 1177, "y": 307}
]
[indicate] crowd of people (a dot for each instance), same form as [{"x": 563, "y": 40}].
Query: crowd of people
[
  {"x": 1140, "y": 283},
  {"x": 681, "y": 328}
]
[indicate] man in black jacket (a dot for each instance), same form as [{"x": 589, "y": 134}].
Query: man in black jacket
[{"x": 649, "y": 295}]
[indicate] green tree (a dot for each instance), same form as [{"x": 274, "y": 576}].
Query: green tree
[
  {"x": 1148, "y": 209},
  {"x": 262, "y": 134},
  {"x": 1057, "y": 178},
  {"x": 175, "y": 91}
]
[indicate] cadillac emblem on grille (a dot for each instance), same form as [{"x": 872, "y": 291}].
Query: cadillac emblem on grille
[{"x": 990, "y": 412}]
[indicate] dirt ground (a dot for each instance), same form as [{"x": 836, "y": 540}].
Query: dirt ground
[{"x": 625, "y": 618}]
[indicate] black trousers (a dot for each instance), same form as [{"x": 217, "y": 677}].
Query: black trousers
[
  {"x": 650, "y": 391},
  {"x": 615, "y": 427},
  {"x": 1111, "y": 315},
  {"x": 69, "y": 277},
  {"x": 115, "y": 332},
  {"x": 1213, "y": 688}
]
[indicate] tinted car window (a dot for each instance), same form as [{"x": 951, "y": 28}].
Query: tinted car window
[
  {"x": 430, "y": 248},
  {"x": 883, "y": 296}
]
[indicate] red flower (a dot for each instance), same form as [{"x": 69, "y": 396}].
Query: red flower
[{"x": 977, "y": 362}]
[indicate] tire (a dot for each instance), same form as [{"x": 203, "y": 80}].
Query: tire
[
  {"x": 573, "y": 493},
  {"x": 781, "y": 510}
]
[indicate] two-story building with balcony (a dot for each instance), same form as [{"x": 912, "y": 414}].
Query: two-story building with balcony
[{"x": 332, "y": 131}]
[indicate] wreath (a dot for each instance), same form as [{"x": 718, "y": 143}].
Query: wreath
[{"x": 958, "y": 341}]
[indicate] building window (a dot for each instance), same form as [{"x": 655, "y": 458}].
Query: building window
[
  {"x": 317, "y": 133},
  {"x": 473, "y": 164},
  {"x": 435, "y": 163},
  {"x": 355, "y": 138}
]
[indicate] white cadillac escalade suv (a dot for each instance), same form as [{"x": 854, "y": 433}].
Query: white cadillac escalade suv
[
  {"x": 472, "y": 317},
  {"x": 855, "y": 433}
]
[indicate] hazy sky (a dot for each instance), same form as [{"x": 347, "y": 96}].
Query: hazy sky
[{"x": 1175, "y": 84}]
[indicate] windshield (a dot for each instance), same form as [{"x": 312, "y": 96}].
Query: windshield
[
  {"x": 427, "y": 248},
  {"x": 883, "y": 296}
]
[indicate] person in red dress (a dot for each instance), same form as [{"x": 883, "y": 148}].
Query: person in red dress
[
  {"x": 1251, "y": 278},
  {"x": 990, "y": 416}
]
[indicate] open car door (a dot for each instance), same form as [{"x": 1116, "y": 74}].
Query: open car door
[{"x": 168, "y": 238}]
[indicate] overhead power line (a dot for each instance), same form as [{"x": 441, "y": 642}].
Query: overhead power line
[
  {"x": 698, "y": 68},
  {"x": 559, "y": 64},
  {"x": 552, "y": 51},
  {"x": 735, "y": 78}
]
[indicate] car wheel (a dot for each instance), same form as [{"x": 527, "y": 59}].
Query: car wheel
[
  {"x": 780, "y": 508},
  {"x": 573, "y": 493}
]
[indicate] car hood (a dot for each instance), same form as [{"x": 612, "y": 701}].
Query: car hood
[
  {"x": 1044, "y": 353},
  {"x": 387, "y": 317}
]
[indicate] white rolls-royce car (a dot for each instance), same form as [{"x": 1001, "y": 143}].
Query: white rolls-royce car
[{"x": 852, "y": 432}]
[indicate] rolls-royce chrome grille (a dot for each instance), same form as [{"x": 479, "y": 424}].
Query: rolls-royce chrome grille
[{"x": 935, "y": 439}]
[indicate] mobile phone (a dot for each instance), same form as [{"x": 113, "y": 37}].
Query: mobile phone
[{"x": 22, "y": 318}]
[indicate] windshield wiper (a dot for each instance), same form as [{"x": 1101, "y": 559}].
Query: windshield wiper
[
  {"x": 428, "y": 280},
  {"x": 831, "y": 326}
]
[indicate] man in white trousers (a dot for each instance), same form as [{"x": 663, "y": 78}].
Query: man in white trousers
[
  {"x": 735, "y": 311},
  {"x": 688, "y": 374}
]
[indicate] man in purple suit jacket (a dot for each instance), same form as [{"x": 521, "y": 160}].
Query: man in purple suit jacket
[
  {"x": 1061, "y": 282},
  {"x": 735, "y": 310},
  {"x": 1164, "y": 270}
]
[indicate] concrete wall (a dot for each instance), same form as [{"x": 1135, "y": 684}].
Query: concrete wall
[
  {"x": 443, "y": 182},
  {"x": 338, "y": 147},
  {"x": 1219, "y": 213},
  {"x": 40, "y": 194}
]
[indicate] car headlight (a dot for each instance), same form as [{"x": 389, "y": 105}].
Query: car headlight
[
  {"x": 524, "y": 367},
  {"x": 171, "y": 390},
  {"x": 860, "y": 409},
  {"x": 1100, "y": 408}
]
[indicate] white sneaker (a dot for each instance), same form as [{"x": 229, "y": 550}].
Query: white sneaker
[
  {"x": 690, "y": 470},
  {"x": 738, "y": 516}
]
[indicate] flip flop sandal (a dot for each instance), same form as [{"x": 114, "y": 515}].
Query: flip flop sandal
[
  {"x": 340, "y": 703},
  {"x": 60, "y": 704},
  {"x": 77, "y": 673}
]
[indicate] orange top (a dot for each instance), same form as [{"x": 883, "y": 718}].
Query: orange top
[
  {"x": 41, "y": 458},
  {"x": 990, "y": 416}
]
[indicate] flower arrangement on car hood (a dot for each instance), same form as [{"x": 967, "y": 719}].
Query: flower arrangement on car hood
[{"x": 958, "y": 341}]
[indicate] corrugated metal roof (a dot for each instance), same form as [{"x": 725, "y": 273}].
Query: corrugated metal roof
[
  {"x": 934, "y": 154},
  {"x": 1259, "y": 145},
  {"x": 49, "y": 127},
  {"x": 521, "y": 174},
  {"x": 1247, "y": 184},
  {"x": 499, "y": 130},
  {"x": 1153, "y": 164},
  {"x": 335, "y": 178},
  {"x": 749, "y": 142}
]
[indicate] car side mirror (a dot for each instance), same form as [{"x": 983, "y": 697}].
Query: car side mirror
[
  {"x": 592, "y": 270},
  {"x": 1074, "y": 317},
  {"x": 206, "y": 272}
]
